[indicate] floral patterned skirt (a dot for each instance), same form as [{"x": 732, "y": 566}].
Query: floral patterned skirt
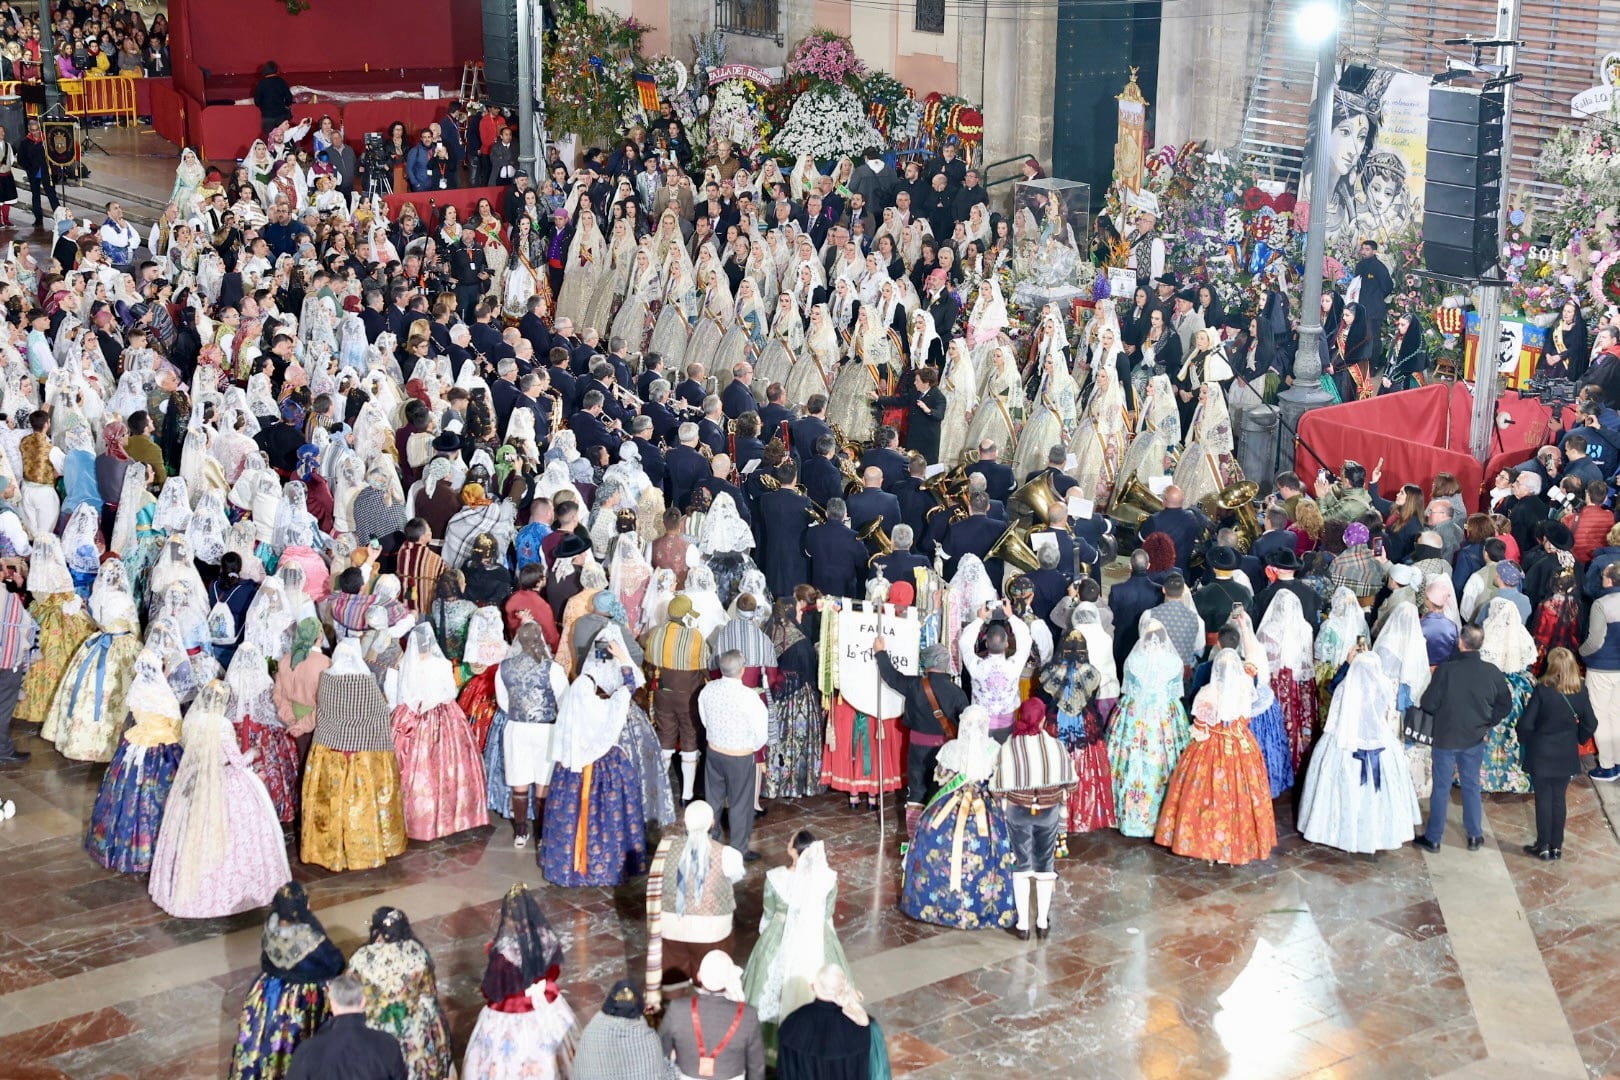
[
  {"x": 1271, "y": 734},
  {"x": 276, "y": 1017},
  {"x": 521, "y": 1046},
  {"x": 129, "y": 807},
  {"x": 1504, "y": 760},
  {"x": 275, "y": 763},
  {"x": 1143, "y": 747},
  {"x": 595, "y": 827},
  {"x": 1218, "y": 806},
  {"x": 793, "y": 754},
  {"x": 1298, "y": 700},
  {"x": 441, "y": 772},
  {"x": 354, "y": 815},
  {"x": 958, "y": 869}
]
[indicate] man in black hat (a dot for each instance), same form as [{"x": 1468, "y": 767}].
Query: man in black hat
[
  {"x": 1164, "y": 293},
  {"x": 564, "y": 584},
  {"x": 1186, "y": 321},
  {"x": 1219, "y": 600},
  {"x": 447, "y": 444},
  {"x": 1281, "y": 566}
]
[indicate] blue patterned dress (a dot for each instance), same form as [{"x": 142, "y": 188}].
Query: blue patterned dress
[
  {"x": 1148, "y": 734},
  {"x": 134, "y": 790},
  {"x": 1269, "y": 731},
  {"x": 1504, "y": 761},
  {"x": 595, "y": 831},
  {"x": 958, "y": 870}
]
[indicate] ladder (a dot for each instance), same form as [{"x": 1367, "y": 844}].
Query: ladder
[
  {"x": 472, "y": 81},
  {"x": 1277, "y": 122}
]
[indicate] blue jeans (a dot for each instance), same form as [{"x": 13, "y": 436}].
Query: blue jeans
[{"x": 1467, "y": 765}]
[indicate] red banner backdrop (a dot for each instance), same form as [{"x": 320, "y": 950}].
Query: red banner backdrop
[
  {"x": 1418, "y": 433},
  {"x": 463, "y": 199}
]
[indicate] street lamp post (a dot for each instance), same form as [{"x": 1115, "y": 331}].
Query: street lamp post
[{"x": 1318, "y": 23}]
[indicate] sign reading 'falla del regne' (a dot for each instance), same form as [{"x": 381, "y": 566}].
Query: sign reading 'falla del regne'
[{"x": 1599, "y": 100}]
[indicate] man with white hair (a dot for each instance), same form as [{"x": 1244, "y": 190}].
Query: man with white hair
[
  {"x": 691, "y": 902},
  {"x": 902, "y": 563},
  {"x": 738, "y": 396},
  {"x": 736, "y": 724},
  {"x": 345, "y": 1046},
  {"x": 1528, "y": 507}
]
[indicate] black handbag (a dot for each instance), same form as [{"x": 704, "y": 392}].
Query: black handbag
[{"x": 1417, "y": 726}]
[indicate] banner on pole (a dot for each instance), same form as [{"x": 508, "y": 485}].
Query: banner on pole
[{"x": 858, "y": 680}]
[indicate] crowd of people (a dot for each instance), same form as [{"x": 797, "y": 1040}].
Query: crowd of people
[
  {"x": 327, "y": 532},
  {"x": 90, "y": 40}
]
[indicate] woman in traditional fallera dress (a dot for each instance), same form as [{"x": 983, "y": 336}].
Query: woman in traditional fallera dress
[
  {"x": 714, "y": 313},
  {"x": 595, "y": 821},
  {"x": 1265, "y": 714},
  {"x": 441, "y": 771},
  {"x": 354, "y": 815},
  {"x": 1101, "y": 438},
  {"x": 958, "y": 869},
  {"x": 585, "y": 270},
  {"x": 816, "y": 363},
  {"x": 1405, "y": 656},
  {"x": 129, "y": 803},
  {"x": 1218, "y": 804},
  {"x": 1287, "y": 639},
  {"x": 220, "y": 850},
  {"x": 673, "y": 327},
  {"x": 1054, "y": 419},
  {"x": 402, "y": 996},
  {"x": 1508, "y": 646},
  {"x": 1149, "y": 730},
  {"x": 526, "y": 1030},
  {"x": 960, "y": 386},
  {"x": 793, "y": 756},
  {"x": 1335, "y": 638},
  {"x": 796, "y": 935},
  {"x": 849, "y": 406},
  {"x": 1358, "y": 793},
  {"x": 528, "y": 685},
  {"x": 1207, "y": 464},
  {"x": 88, "y": 710},
  {"x": 1158, "y": 430},
  {"x": 271, "y": 752},
  {"x": 287, "y": 1002},
  {"x": 1072, "y": 683},
  {"x": 998, "y": 414},
  {"x": 634, "y": 321},
  {"x": 775, "y": 361},
  {"x": 63, "y": 627}
]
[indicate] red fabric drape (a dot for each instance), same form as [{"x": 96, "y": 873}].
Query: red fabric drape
[{"x": 1418, "y": 433}]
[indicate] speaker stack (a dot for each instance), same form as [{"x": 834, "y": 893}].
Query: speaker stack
[
  {"x": 1462, "y": 190},
  {"x": 501, "y": 52}
]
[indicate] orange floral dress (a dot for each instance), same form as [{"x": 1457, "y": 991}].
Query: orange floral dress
[{"x": 1218, "y": 806}]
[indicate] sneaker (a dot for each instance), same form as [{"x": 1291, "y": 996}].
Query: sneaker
[
  {"x": 1609, "y": 775},
  {"x": 520, "y": 842}
]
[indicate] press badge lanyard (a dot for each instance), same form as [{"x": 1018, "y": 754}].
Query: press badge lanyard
[{"x": 706, "y": 1061}]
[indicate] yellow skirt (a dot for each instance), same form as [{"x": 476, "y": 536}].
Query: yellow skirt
[{"x": 354, "y": 816}]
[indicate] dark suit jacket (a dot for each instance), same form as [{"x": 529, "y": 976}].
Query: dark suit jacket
[
  {"x": 897, "y": 567},
  {"x": 784, "y": 518},
  {"x": 712, "y": 435},
  {"x": 893, "y": 463},
  {"x": 915, "y": 502},
  {"x": 837, "y": 560},
  {"x": 665, "y": 422},
  {"x": 1128, "y": 600},
  {"x": 563, "y": 381},
  {"x": 974, "y": 536},
  {"x": 690, "y": 392},
  {"x": 999, "y": 481},
  {"x": 771, "y": 417},
  {"x": 536, "y": 333},
  {"x": 822, "y": 480},
  {"x": 652, "y": 461},
  {"x": 737, "y": 399},
  {"x": 805, "y": 434},
  {"x": 1181, "y": 525},
  {"x": 684, "y": 468},
  {"x": 868, "y": 504},
  {"x": 590, "y": 432},
  {"x": 502, "y": 395}
]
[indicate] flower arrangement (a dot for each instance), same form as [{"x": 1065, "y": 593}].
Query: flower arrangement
[
  {"x": 893, "y": 110},
  {"x": 826, "y": 123},
  {"x": 590, "y": 89},
  {"x": 738, "y": 114},
  {"x": 1606, "y": 282},
  {"x": 824, "y": 56}
]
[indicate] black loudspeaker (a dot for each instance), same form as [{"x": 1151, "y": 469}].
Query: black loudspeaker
[
  {"x": 1462, "y": 191},
  {"x": 501, "y": 52}
]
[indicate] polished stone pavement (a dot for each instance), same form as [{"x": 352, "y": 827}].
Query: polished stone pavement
[{"x": 1314, "y": 963}]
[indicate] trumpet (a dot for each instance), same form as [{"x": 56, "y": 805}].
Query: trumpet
[{"x": 625, "y": 396}]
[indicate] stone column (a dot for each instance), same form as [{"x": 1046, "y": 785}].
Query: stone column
[{"x": 1207, "y": 52}]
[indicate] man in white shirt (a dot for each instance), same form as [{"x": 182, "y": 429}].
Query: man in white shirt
[{"x": 736, "y": 724}]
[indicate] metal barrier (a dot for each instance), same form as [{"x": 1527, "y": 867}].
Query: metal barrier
[{"x": 112, "y": 96}]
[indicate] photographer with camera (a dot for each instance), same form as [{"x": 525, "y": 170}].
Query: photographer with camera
[{"x": 427, "y": 166}]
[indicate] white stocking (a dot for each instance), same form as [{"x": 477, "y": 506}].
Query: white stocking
[
  {"x": 1044, "y": 884},
  {"x": 689, "y": 763},
  {"x": 1020, "y": 881}
]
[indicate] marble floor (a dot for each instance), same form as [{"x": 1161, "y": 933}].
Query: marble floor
[{"x": 1312, "y": 964}]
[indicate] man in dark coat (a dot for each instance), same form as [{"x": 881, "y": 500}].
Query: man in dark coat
[
  {"x": 902, "y": 563},
  {"x": 1128, "y": 600},
  {"x": 345, "y": 1048},
  {"x": 887, "y": 458},
  {"x": 872, "y": 502},
  {"x": 652, "y": 458},
  {"x": 1181, "y": 525},
  {"x": 589, "y": 429},
  {"x": 837, "y": 557},
  {"x": 533, "y": 327},
  {"x": 974, "y": 535},
  {"x": 809, "y": 429},
  {"x": 925, "y": 408},
  {"x": 737, "y": 398},
  {"x": 1281, "y": 567},
  {"x": 784, "y": 519},
  {"x": 684, "y": 467},
  {"x": 999, "y": 481},
  {"x": 823, "y": 480},
  {"x": 1467, "y": 697},
  {"x": 1376, "y": 285},
  {"x": 774, "y": 413}
]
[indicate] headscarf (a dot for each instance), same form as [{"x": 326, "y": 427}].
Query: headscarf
[
  {"x": 307, "y": 633},
  {"x": 1403, "y": 652},
  {"x": 114, "y": 435},
  {"x": 973, "y": 753},
  {"x": 832, "y": 984}
]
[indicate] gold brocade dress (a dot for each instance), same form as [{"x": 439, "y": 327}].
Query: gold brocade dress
[
  {"x": 354, "y": 814},
  {"x": 60, "y": 636}
]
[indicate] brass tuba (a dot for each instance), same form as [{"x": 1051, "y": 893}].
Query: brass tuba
[
  {"x": 872, "y": 535},
  {"x": 1014, "y": 550},
  {"x": 1134, "y": 503},
  {"x": 1034, "y": 500},
  {"x": 1238, "y": 498}
]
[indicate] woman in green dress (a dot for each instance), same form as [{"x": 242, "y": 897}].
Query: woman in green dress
[{"x": 796, "y": 936}]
